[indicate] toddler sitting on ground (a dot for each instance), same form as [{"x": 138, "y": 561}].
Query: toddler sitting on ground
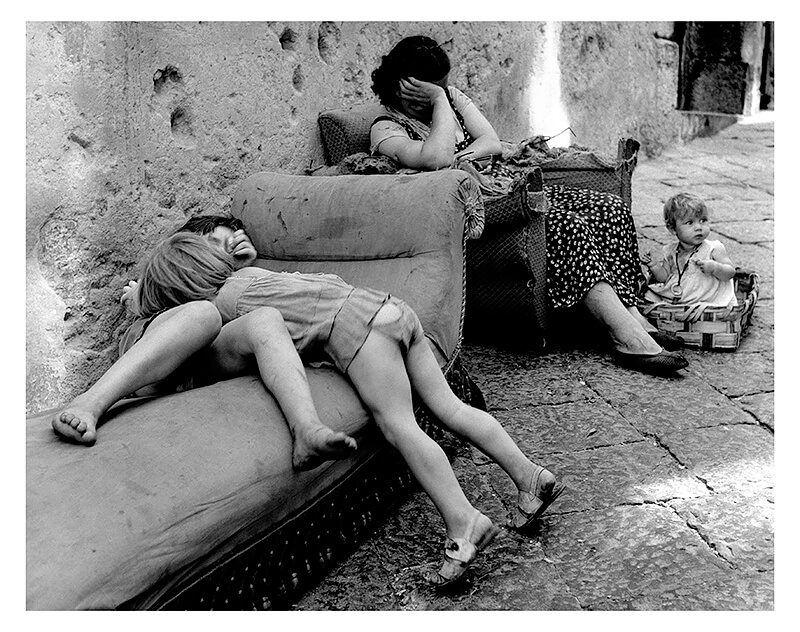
[{"x": 693, "y": 269}]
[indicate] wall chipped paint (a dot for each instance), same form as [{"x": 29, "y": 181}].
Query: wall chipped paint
[{"x": 132, "y": 127}]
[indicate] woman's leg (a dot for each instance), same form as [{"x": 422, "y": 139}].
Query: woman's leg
[
  {"x": 627, "y": 333},
  {"x": 168, "y": 342},
  {"x": 593, "y": 257},
  {"x": 260, "y": 340},
  {"x": 646, "y": 324},
  {"x": 379, "y": 375}
]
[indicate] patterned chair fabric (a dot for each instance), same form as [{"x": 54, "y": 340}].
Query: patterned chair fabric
[{"x": 507, "y": 266}]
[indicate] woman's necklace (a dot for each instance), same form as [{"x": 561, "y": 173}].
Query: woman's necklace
[{"x": 677, "y": 290}]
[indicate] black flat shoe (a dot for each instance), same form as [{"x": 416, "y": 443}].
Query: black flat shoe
[
  {"x": 666, "y": 339},
  {"x": 657, "y": 364}
]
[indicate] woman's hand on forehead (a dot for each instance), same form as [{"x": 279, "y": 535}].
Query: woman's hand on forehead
[{"x": 421, "y": 91}]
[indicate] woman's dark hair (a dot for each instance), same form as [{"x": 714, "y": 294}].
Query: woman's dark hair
[
  {"x": 205, "y": 224},
  {"x": 417, "y": 56}
]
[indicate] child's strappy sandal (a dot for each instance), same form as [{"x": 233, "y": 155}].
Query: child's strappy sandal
[
  {"x": 459, "y": 553},
  {"x": 531, "y": 504}
]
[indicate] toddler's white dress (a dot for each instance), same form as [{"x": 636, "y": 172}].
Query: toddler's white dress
[{"x": 697, "y": 287}]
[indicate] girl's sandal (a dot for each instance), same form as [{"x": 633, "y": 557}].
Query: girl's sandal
[
  {"x": 459, "y": 553},
  {"x": 532, "y": 504}
]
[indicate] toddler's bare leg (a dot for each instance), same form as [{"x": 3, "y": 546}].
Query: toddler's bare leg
[
  {"x": 170, "y": 340},
  {"x": 261, "y": 337}
]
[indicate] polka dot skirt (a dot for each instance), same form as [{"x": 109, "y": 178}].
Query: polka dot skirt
[{"x": 590, "y": 237}]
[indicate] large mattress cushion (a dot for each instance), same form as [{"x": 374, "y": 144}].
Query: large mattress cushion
[{"x": 171, "y": 485}]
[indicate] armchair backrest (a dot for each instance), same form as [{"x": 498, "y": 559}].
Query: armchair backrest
[
  {"x": 345, "y": 131},
  {"x": 400, "y": 233}
]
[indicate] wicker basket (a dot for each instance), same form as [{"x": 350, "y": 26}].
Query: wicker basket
[{"x": 719, "y": 328}]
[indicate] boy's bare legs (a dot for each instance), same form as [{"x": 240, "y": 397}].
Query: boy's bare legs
[
  {"x": 477, "y": 426},
  {"x": 170, "y": 340},
  {"x": 379, "y": 375},
  {"x": 261, "y": 337}
]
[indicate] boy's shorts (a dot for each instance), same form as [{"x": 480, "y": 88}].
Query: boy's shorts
[
  {"x": 363, "y": 311},
  {"x": 182, "y": 379}
]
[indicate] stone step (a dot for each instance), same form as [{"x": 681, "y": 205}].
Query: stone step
[{"x": 696, "y": 123}]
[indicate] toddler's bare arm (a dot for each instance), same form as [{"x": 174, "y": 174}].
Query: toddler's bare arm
[
  {"x": 718, "y": 265},
  {"x": 657, "y": 269}
]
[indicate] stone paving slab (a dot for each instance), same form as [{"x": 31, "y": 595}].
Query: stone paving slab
[
  {"x": 635, "y": 473},
  {"x": 734, "y": 373},
  {"x": 567, "y": 427},
  {"x": 760, "y": 336},
  {"x": 747, "y": 232},
  {"x": 738, "y": 529},
  {"x": 670, "y": 499},
  {"x": 729, "y": 459},
  {"x": 645, "y": 557},
  {"x": 526, "y": 378},
  {"x": 728, "y": 206},
  {"x": 761, "y": 406},
  {"x": 655, "y": 234},
  {"x": 656, "y": 405}
]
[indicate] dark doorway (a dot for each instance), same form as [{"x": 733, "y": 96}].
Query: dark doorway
[{"x": 725, "y": 67}]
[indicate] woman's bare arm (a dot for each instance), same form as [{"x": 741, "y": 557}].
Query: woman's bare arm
[
  {"x": 437, "y": 150},
  {"x": 486, "y": 142}
]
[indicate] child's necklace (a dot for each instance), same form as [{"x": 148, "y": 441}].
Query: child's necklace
[{"x": 677, "y": 290}]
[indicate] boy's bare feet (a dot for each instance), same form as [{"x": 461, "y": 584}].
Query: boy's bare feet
[
  {"x": 321, "y": 444},
  {"x": 76, "y": 424}
]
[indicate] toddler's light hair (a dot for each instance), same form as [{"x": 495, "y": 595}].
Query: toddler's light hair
[
  {"x": 182, "y": 268},
  {"x": 681, "y": 206}
]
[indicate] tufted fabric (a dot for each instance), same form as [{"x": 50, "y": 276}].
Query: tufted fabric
[
  {"x": 346, "y": 131},
  {"x": 189, "y": 500}
]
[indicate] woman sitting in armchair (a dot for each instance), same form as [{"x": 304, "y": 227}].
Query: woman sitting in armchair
[{"x": 592, "y": 253}]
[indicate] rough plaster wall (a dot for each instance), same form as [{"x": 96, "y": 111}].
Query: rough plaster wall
[
  {"x": 132, "y": 127},
  {"x": 620, "y": 80}
]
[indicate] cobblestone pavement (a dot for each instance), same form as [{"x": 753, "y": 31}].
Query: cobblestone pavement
[{"x": 670, "y": 498}]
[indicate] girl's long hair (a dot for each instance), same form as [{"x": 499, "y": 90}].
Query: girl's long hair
[{"x": 182, "y": 268}]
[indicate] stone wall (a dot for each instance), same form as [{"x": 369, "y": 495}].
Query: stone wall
[{"x": 132, "y": 127}]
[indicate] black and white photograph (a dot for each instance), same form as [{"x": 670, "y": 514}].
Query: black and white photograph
[{"x": 514, "y": 346}]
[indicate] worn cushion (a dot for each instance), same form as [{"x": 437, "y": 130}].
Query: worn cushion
[
  {"x": 174, "y": 485},
  {"x": 377, "y": 232},
  {"x": 171, "y": 485}
]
